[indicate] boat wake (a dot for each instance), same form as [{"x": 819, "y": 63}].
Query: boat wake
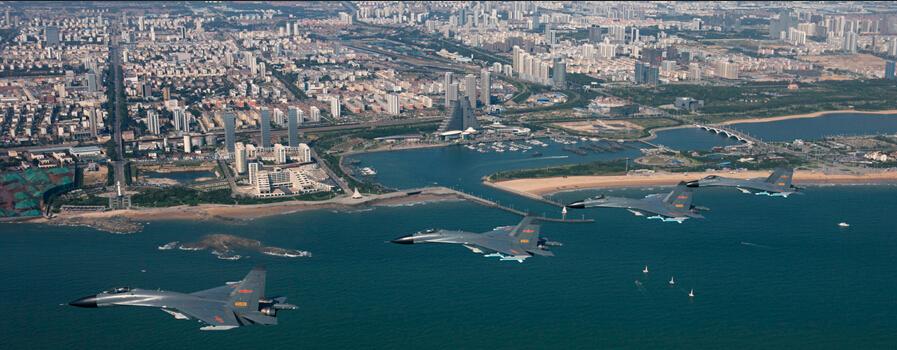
[{"x": 749, "y": 244}]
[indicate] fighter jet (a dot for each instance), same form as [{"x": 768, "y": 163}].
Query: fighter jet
[
  {"x": 221, "y": 308},
  {"x": 673, "y": 207},
  {"x": 508, "y": 243},
  {"x": 778, "y": 184}
]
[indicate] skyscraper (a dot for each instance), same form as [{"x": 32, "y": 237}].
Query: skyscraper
[
  {"x": 265, "y": 127},
  {"x": 485, "y": 87},
  {"x": 230, "y": 137},
  {"x": 446, "y": 83},
  {"x": 470, "y": 88},
  {"x": 335, "y": 108},
  {"x": 459, "y": 117},
  {"x": 451, "y": 93},
  {"x": 293, "y": 126},
  {"x": 646, "y": 74},
  {"x": 560, "y": 73}
]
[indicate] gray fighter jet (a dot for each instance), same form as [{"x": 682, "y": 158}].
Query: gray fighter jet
[
  {"x": 221, "y": 308},
  {"x": 508, "y": 243},
  {"x": 673, "y": 207},
  {"x": 778, "y": 184}
]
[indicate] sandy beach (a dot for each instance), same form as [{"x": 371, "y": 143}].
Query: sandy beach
[
  {"x": 539, "y": 187},
  {"x": 113, "y": 220},
  {"x": 801, "y": 116}
]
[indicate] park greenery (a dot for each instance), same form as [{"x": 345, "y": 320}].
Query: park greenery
[
  {"x": 180, "y": 195},
  {"x": 767, "y": 99}
]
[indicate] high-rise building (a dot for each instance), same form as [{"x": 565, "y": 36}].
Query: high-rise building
[
  {"x": 335, "y": 107},
  {"x": 849, "y": 43},
  {"x": 293, "y": 126},
  {"x": 240, "y": 157},
  {"x": 314, "y": 114},
  {"x": 780, "y": 25},
  {"x": 92, "y": 120},
  {"x": 560, "y": 73},
  {"x": 188, "y": 144},
  {"x": 180, "y": 120},
  {"x": 595, "y": 34},
  {"x": 230, "y": 136},
  {"x": 265, "y": 127},
  {"x": 152, "y": 122},
  {"x": 617, "y": 33},
  {"x": 51, "y": 35},
  {"x": 646, "y": 74},
  {"x": 280, "y": 118},
  {"x": 485, "y": 87},
  {"x": 694, "y": 71},
  {"x": 91, "y": 82},
  {"x": 446, "y": 83},
  {"x": 889, "y": 70},
  {"x": 727, "y": 70},
  {"x": 280, "y": 154},
  {"x": 392, "y": 104},
  {"x": 470, "y": 88},
  {"x": 451, "y": 94},
  {"x": 607, "y": 50},
  {"x": 253, "y": 172}
]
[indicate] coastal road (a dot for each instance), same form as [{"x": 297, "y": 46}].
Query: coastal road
[{"x": 119, "y": 107}]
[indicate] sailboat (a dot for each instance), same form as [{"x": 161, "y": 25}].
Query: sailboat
[
  {"x": 691, "y": 294},
  {"x": 672, "y": 281},
  {"x": 645, "y": 270}
]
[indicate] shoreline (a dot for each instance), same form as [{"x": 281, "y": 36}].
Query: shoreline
[
  {"x": 804, "y": 116},
  {"x": 533, "y": 188},
  {"x": 132, "y": 220}
]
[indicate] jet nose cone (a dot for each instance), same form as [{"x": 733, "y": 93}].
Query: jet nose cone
[
  {"x": 88, "y": 301},
  {"x": 577, "y": 205},
  {"x": 404, "y": 240},
  {"x": 693, "y": 184}
]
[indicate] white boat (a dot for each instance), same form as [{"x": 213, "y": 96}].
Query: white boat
[
  {"x": 672, "y": 281},
  {"x": 645, "y": 270},
  {"x": 691, "y": 294},
  {"x": 843, "y": 224}
]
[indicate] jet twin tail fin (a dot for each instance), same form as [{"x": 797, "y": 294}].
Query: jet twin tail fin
[
  {"x": 245, "y": 296},
  {"x": 527, "y": 231},
  {"x": 781, "y": 177},
  {"x": 680, "y": 197}
]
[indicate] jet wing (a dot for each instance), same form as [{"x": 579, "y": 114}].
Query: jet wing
[
  {"x": 215, "y": 314},
  {"x": 217, "y": 293},
  {"x": 505, "y": 247}
]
